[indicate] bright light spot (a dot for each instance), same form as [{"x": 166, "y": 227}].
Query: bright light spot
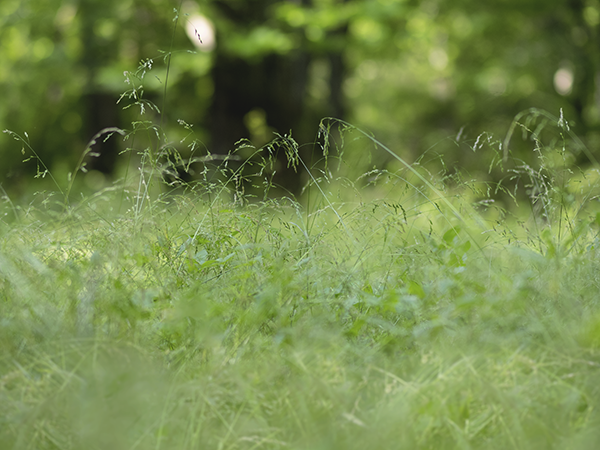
[
  {"x": 368, "y": 70},
  {"x": 438, "y": 59},
  {"x": 256, "y": 123},
  {"x": 314, "y": 34},
  {"x": 296, "y": 17},
  {"x": 563, "y": 81},
  {"x": 366, "y": 30},
  {"x": 201, "y": 32},
  {"x": 43, "y": 48},
  {"x": 496, "y": 85},
  {"x": 591, "y": 16},
  {"x": 65, "y": 15}
]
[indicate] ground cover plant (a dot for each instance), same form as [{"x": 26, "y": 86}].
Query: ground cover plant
[
  {"x": 395, "y": 309},
  {"x": 411, "y": 306}
]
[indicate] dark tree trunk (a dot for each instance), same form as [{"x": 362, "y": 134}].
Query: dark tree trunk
[
  {"x": 275, "y": 84},
  {"x": 100, "y": 108},
  {"x": 101, "y": 112}
]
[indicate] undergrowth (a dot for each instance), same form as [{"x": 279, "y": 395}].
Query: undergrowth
[
  {"x": 398, "y": 308},
  {"x": 394, "y": 310}
]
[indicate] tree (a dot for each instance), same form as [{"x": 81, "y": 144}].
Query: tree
[
  {"x": 261, "y": 72},
  {"x": 425, "y": 77}
]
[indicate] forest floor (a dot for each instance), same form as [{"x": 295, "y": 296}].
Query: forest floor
[{"x": 405, "y": 315}]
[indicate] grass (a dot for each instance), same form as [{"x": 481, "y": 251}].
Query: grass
[
  {"x": 403, "y": 307},
  {"x": 388, "y": 312}
]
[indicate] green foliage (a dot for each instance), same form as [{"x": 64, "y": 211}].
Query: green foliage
[
  {"x": 426, "y": 77},
  {"x": 399, "y": 306},
  {"x": 396, "y": 308}
]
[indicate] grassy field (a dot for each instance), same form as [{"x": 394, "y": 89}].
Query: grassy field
[{"x": 399, "y": 310}]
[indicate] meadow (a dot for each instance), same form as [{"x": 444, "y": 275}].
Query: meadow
[{"x": 400, "y": 308}]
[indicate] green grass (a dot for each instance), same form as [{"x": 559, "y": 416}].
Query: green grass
[
  {"x": 407, "y": 307},
  {"x": 397, "y": 310}
]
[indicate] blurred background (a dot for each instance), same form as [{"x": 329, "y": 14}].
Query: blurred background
[{"x": 426, "y": 78}]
